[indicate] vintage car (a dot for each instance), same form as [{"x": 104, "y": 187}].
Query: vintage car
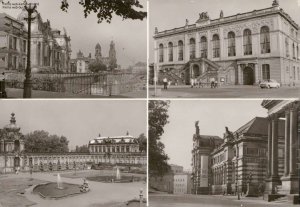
[{"x": 270, "y": 83}]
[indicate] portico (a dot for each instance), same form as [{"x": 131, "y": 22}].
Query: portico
[{"x": 289, "y": 111}]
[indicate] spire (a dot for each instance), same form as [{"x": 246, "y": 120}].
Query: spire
[
  {"x": 13, "y": 119},
  {"x": 197, "y": 128}
]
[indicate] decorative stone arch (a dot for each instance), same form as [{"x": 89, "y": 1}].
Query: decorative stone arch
[
  {"x": 248, "y": 75},
  {"x": 195, "y": 70}
]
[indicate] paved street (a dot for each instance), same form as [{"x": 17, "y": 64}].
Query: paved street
[
  {"x": 167, "y": 200},
  {"x": 225, "y": 92},
  {"x": 18, "y": 93}
]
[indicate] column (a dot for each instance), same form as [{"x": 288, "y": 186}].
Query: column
[
  {"x": 197, "y": 44},
  {"x": 256, "y": 72},
  {"x": 269, "y": 146},
  {"x": 274, "y": 170},
  {"x": 293, "y": 140},
  {"x": 240, "y": 82},
  {"x": 287, "y": 143}
]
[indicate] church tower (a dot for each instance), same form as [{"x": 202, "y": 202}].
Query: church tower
[
  {"x": 112, "y": 56},
  {"x": 98, "y": 54}
]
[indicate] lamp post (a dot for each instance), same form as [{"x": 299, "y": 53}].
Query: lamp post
[{"x": 27, "y": 83}]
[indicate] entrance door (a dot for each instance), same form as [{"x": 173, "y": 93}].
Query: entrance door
[
  {"x": 196, "y": 71},
  {"x": 187, "y": 77},
  {"x": 248, "y": 76},
  {"x": 17, "y": 162}
]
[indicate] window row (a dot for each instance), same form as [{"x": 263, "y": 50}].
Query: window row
[{"x": 247, "y": 39}]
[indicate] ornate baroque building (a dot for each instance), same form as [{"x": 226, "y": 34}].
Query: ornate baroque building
[
  {"x": 81, "y": 63},
  {"x": 123, "y": 150},
  {"x": 242, "y": 49}
]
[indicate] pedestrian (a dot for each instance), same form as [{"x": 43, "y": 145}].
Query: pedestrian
[
  {"x": 165, "y": 82},
  {"x": 192, "y": 82}
]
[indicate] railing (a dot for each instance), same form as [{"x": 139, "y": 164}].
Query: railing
[{"x": 105, "y": 83}]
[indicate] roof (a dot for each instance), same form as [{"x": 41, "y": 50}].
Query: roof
[
  {"x": 259, "y": 126},
  {"x": 210, "y": 137},
  {"x": 115, "y": 139}
]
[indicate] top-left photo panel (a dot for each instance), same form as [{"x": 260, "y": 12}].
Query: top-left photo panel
[{"x": 73, "y": 49}]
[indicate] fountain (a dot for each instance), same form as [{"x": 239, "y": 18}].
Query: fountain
[
  {"x": 59, "y": 183},
  {"x": 118, "y": 175}
]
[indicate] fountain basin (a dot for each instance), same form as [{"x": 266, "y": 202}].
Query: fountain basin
[{"x": 50, "y": 190}]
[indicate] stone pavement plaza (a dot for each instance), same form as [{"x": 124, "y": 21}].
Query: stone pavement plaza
[
  {"x": 225, "y": 92},
  {"x": 15, "y": 191},
  {"x": 168, "y": 200}
]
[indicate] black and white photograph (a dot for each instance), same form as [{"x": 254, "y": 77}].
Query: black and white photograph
[
  {"x": 73, "y": 153},
  {"x": 224, "y": 49},
  {"x": 73, "y": 49},
  {"x": 224, "y": 153}
]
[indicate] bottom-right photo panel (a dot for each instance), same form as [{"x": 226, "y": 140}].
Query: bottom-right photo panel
[{"x": 242, "y": 153}]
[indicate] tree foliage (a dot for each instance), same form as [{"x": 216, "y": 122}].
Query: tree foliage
[
  {"x": 83, "y": 148},
  {"x": 158, "y": 118},
  {"x": 127, "y": 9},
  {"x": 97, "y": 66},
  {"x": 41, "y": 141},
  {"x": 142, "y": 140}
]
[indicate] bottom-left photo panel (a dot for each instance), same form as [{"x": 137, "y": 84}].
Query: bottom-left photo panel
[{"x": 89, "y": 153}]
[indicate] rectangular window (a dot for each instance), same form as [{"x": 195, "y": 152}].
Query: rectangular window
[{"x": 266, "y": 71}]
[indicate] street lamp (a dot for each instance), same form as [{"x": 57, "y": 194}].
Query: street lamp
[{"x": 27, "y": 83}]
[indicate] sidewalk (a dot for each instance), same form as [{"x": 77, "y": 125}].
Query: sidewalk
[{"x": 18, "y": 93}]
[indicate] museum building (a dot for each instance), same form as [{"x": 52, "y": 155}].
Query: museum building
[
  {"x": 263, "y": 152},
  {"x": 121, "y": 150},
  {"x": 241, "y": 49}
]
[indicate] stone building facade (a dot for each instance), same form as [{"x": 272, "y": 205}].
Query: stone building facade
[
  {"x": 13, "y": 156},
  {"x": 242, "y": 49},
  {"x": 182, "y": 183},
  {"x": 50, "y": 48},
  {"x": 13, "y": 44}
]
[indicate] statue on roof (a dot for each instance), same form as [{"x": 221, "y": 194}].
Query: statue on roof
[
  {"x": 197, "y": 128},
  {"x": 155, "y": 30},
  {"x": 203, "y": 15},
  {"x": 186, "y": 22},
  {"x": 221, "y": 14},
  {"x": 275, "y": 3}
]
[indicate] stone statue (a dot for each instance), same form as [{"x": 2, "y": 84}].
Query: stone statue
[
  {"x": 249, "y": 178},
  {"x": 156, "y": 30},
  {"x": 221, "y": 14},
  {"x": 186, "y": 22},
  {"x": 85, "y": 186},
  {"x": 203, "y": 15},
  {"x": 275, "y": 3},
  {"x": 197, "y": 127}
]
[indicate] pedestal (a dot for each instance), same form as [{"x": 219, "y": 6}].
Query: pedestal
[
  {"x": 290, "y": 185},
  {"x": 252, "y": 190},
  {"x": 271, "y": 185},
  {"x": 27, "y": 88}
]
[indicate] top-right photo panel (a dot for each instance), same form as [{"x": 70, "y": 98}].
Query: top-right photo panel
[{"x": 224, "y": 49}]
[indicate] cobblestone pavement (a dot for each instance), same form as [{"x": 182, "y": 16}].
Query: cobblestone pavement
[
  {"x": 225, "y": 92},
  {"x": 167, "y": 200},
  {"x": 16, "y": 191}
]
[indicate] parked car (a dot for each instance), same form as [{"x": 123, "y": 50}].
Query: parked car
[{"x": 269, "y": 84}]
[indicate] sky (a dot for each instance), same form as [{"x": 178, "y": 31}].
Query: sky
[
  {"x": 78, "y": 120},
  {"x": 213, "y": 117},
  {"x": 169, "y": 14},
  {"x": 85, "y": 33}
]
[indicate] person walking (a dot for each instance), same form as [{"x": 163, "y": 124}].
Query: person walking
[{"x": 165, "y": 82}]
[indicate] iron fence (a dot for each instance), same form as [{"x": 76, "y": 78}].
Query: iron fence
[{"x": 106, "y": 83}]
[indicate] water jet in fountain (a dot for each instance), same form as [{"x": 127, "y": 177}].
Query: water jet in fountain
[
  {"x": 118, "y": 174},
  {"x": 59, "y": 183}
]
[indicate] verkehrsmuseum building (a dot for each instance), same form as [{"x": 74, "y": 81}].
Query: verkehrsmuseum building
[
  {"x": 264, "y": 150},
  {"x": 121, "y": 150},
  {"x": 242, "y": 49}
]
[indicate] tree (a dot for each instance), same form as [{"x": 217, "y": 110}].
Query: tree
[
  {"x": 158, "y": 118},
  {"x": 41, "y": 141},
  {"x": 142, "y": 140},
  {"x": 83, "y": 148},
  {"x": 97, "y": 66},
  {"x": 127, "y": 9}
]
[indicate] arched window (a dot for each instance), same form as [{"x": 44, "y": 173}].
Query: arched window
[
  {"x": 231, "y": 44},
  {"x": 247, "y": 42},
  {"x": 216, "y": 46},
  {"x": 266, "y": 71},
  {"x": 297, "y": 52},
  {"x": 203, "y": 45},
  {"x": 265, "y": 40},
  {"x": 170, "y": 51},
  {"x": 180, "y": 50},
  {"x": 161, "y": 53},
  {"x": 287, "y": 49},
  {"x": 192, "y": 48},
  {"x": 294, "y": 52}
]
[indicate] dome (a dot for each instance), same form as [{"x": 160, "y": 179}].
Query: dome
[{"x": 12, "y": 126}]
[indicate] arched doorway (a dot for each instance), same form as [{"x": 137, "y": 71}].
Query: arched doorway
[
  {"x": 17, "y": 145},
  {"x": 248, "y": 76},
  {"x": 187, "y": 77},
  {"x": 196, "y": 71}
]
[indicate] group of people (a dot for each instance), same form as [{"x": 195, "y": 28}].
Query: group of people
[{"x": 194, "y": 83}]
